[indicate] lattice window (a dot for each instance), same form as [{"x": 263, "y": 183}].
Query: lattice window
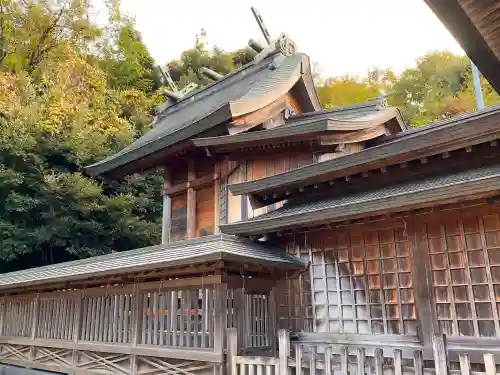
[
  {"x": 18, "y": 318},
  {"x": 465, "y": 264},
  {"x": 107, "y": 318},
  {"x": 295, "y": 311},
  {"x": 362, "y": 283},
  {"x": 56, "y": 318},
  {"x": 258, "y": 331}
]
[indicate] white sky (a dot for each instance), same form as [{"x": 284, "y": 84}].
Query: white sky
[{"x": 342, "y": 36}]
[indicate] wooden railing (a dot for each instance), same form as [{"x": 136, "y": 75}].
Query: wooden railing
[{"x": 363, "y": 355}]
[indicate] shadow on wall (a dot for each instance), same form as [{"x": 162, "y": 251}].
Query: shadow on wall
[{"x": 13, "y": 370}]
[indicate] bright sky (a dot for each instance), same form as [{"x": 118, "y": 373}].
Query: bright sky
[{"x": 342, "y": 36}]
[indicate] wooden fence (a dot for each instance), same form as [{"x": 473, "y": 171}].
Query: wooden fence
[{"x": 344, "y": 356}]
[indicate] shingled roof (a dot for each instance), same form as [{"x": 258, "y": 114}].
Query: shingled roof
[
  {"x": 199, "y": 250},
  {"x": 458, "y": 132},
  {"x": 401, "y": 197},
  {"x": 254, "y": 86},
  {"x": 349, "y": 124}
]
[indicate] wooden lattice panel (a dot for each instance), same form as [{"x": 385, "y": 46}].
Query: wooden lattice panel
[
  {"x": 362, "y": 282},
  {"x": 17, "y": 353},
  {"x": 104, "y": 363},
  {"x": 178, "y": 318},
  {"x": 295, "y": 309},
  {"x": 107, "y": 318},
  {"x": 156, "y": 366},
  {"x": 56, "y": 318},
  {"x": 18, "y": 318},
  {"x": 465, "y": 265},
  {"x": 53, "y": 357}
]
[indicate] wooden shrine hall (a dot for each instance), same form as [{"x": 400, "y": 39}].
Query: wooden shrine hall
[{"x": 296, "y": 240}]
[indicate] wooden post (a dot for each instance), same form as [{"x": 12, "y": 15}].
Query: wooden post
[
  {"x": 420, "y": 266},
  {"x": 489, "y": 364},
  {"x": 78, "y": 318},
  {"x": 36, "y": 307},
  {"x": 284, "y": 350},
  {"x": 217, "y": 182},
  {"x": 136, "y": 317},
  {"x": 232, "y": 351},
  {"x": 273, "y": 322},
  {"x": 440, "y": 355},
  {"x": 220, "y": 317},
  {"x": 3, "y": 309},
  {"x": 167, "y": 207},
  {"x": 191, "y": 202}
]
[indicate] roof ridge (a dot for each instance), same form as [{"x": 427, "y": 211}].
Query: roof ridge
[{"x": 202, "y": 92}]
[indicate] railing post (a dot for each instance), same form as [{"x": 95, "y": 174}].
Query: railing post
[
  {"x": 440, "y": 353},
  {"x": 232, "y": 351},
  {"x": 284, "y": 351}
]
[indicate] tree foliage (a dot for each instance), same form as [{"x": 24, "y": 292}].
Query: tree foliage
[
  {"x": 73, "y": 92},
  {"x": 438, "y": 87}
]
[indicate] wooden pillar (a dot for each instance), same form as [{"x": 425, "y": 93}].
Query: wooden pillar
[
  {"x": 136, "y": 317},
  {"x": 3, "y": 309},
  {"x": 284, "y": 351},
  {"x": 232, "y": 351},
  {"x": 191, "y": 202},
  {"x": 78, "y": 317},
  {"x": 273, "y": 319},
  {"x": 36, "y": 307},
  {"x": 167, "y": 207},
  {"x": 421, "y": 279},
  {"x": 220, "y": 315},
  {"x": 217, "y": 182},
  {"x": 440, "y": 354}
]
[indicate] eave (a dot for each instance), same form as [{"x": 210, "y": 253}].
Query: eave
[
  {"x": 307, "y": 129},
  {"x": 475, "y": 25},
  {"x": 452, "y": 134},
  {"x": 472, "y": 184}
]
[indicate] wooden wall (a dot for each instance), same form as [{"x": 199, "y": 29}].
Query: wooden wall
[
  {"x": 259, "y": 167},
  {"x": 399, "y": 277}
]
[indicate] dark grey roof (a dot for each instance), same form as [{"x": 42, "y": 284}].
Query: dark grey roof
[
  {"x": 345, "y": 119},
  {"x": 197, "y": 250},
  {"x": 400, "y": 197},
  {"x": 458, "y": 132},
  {"x": 211, "y": 106}
]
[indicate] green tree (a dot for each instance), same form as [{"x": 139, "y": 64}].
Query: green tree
[{"x": 60, "y": 110}]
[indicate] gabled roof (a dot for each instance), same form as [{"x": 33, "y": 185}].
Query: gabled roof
[
  {"x": 481, "y": 182},
  {"x": 189, "y": 252},
  {"x": 252, "y": 87},
  {"x": 345, "y": 125},
  {"x": 461, "y": 131},
  {"x": 475, "y": 25}
]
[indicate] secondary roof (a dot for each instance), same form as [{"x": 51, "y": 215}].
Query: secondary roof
[
  {"x": 480, "y": 182},
  {"x": 189, "y": 252},
  {"x": 461, "y": 131},
  {"x": 345, "y": 125}
]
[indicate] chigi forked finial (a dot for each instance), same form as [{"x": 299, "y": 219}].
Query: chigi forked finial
[{"x": 283, "y": 43}]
